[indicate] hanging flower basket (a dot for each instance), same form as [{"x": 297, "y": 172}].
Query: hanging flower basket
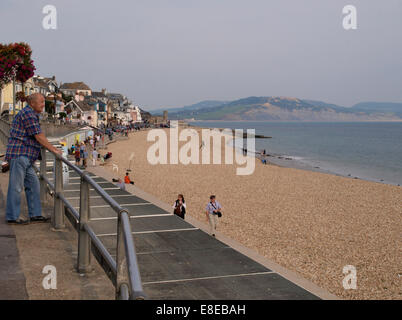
[{"x": 15, "y": 63}]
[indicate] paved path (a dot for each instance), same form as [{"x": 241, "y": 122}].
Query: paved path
[
  {"x": 178, "y": 260},
  {"x": 12, "y": 279}
]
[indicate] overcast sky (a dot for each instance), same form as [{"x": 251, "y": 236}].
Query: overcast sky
[{"x": 171, "y": 53}]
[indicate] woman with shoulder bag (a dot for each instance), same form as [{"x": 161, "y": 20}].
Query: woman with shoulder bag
[{"x": 180, "y": 206}]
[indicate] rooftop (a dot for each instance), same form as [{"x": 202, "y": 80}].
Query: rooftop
[{"x": 75, "y": 85}]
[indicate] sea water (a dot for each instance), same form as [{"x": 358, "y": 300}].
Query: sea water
[{"x": 364, "y": 150}]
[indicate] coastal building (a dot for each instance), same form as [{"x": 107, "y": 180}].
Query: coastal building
[
  {"x": 6, "y": 98},
  {"x": 125, "y": 115},
  {"x": 56, "y": 99},
  {"x": 135, "y": 114},
  {"x": 70, "y": 89},
  {"x": 7, "y": 95},
  {"x": 80, "y": 111},
  {"x": 100, "y": 95},
  {"x": 41, "y": 86},
  {"x": 119, "y": 117},
  {"x": 102, "y": 113},
  {"x": 116, "y": 99},
  {"x": 92, "y": 107},
  {"x": 101, "y": 104},
  {"x": 45, "y": 85},
  {"x": 156, "y": 120}
]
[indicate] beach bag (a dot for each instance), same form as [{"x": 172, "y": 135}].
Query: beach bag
[
  {"x": 218, "y": 213},
  {"x": 178, "y": 212}
]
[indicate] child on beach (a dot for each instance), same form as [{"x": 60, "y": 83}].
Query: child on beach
[{"x": 127, "y": 179}]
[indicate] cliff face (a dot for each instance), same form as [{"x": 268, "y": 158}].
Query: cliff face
[{"x": 285, "y": 109}]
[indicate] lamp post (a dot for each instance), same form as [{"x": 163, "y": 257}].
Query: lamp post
[
  {"x": 14, "y": 101},
  {"x": 55, "y": 100}
]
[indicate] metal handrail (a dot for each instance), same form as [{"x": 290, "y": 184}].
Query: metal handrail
[
  {"x": 124, "y": 271},
  {"x": 128, "y": 265}
]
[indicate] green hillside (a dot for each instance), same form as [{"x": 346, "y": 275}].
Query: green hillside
[{"x": 282, "y": 109}]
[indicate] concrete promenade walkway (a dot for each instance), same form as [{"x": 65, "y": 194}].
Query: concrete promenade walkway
[
  {"x": 12, "y": 279},
  {"x": 177, "y": 258},
  {"x": 209, "y": 268}
]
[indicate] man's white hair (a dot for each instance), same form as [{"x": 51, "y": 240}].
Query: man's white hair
[{"x": 33, "y": 97}]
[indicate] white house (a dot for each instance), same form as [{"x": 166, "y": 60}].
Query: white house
[
  {"x": 135, "y": 114},
  {"x": 79, "y": 111}
]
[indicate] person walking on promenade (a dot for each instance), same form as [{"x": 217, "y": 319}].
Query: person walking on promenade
[
  {"x": 23, "y": 149},
  {"x": 85, "y": 157},
  {"x": 180, "y": 206},
  {"x": 77, "y": 156},
  {"x": 94, "y": 156},
  {"x": 82, "y": 146},
  {"x": 72, "y": 149},
  {"x": 83, "y": 154},
  {"x": 213, "y": 212}
]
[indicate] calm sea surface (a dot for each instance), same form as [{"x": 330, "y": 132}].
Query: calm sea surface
[{"x": 366, "y": 150}]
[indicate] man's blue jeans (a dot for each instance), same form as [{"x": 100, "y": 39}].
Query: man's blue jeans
[{"x": 22, "y": 174}]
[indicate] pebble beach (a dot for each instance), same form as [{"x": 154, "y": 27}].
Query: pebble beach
[{"x": 309, "y": 222}]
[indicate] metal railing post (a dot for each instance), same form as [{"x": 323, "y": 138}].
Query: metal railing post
[
  {"x": 127, "y": 272},
  {"x": 58, "y": 215},
  {"x": 43, "y": 184},
  {"x": 84, "y": 241},
  {"x": 121, "y": 261}
]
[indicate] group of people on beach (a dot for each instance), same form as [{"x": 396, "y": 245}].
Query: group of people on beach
[
  {"x": 213, "y": 211},
  {"x": 262, "y": 155}
]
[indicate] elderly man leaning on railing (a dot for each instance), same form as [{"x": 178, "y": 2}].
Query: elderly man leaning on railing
[{"x": 23, "y": 149}]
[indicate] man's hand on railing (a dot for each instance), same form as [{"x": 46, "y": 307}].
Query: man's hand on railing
[
  {"x": 57, "y": 151},
  {"x": 45, "y": 143}
]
